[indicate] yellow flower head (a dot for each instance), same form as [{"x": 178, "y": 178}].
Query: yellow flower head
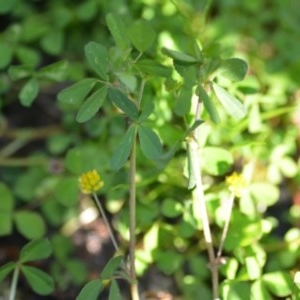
[
  {"x": 236, "y": 183},
  {"x": 90, "y": 182}
]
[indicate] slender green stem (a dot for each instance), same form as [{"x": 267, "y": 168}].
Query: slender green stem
[
  {"x": 110, "y": 231},
  {"x": 132, "y": 222},
  {"x": 102, "y": 212},
  {"x": 138, "y": 57},
  {"x": 132, "y": 206},
  {"x": 13, "y": 287},
  {"x": 229, "y": 207}
]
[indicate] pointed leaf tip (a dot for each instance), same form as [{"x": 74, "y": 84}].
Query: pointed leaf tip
[{"x": 231, "y": 104}]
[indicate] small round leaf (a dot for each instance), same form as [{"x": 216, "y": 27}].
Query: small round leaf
[{"x": 30, "y": 224}]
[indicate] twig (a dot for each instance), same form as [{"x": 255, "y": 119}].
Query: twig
[
  {"x": 200, "y": 209},
  {"x": 132, "y": 206},
  {"x": 132, "y": 221}
]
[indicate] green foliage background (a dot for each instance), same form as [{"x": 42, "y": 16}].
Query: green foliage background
[{"x": 46, "y": 46}]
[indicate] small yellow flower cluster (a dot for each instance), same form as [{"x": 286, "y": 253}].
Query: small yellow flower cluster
[
  {"x": 236, "y": 184},
  {"x": 90, "y": 182}
]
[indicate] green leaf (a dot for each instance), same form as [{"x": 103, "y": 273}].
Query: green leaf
[
  {"x": 167, "y": 260},
  {"x": 54, "y": 213},
  {"x": 186, "y": 228},
  {"x": 151, "y": 67},
  {"x": 66, "y": 191},
  {"x": 188, "y": 73},
  {"x": 111, "y": 267},
  {"x": 247, "y": 205},
  {"x": 254, "y": 270},
  {"x": 123, "y": 103},
  {"x": 117, "y": 29},
  {"x": 19, "y": 72},
  {"x": 128, "y": 80},
  {"x": 146, "y": 214},
  {"x": 264, "y": 193},
  {"x": 90, "y": 291},
  {"x": 55, "y": 72},
  {"x": 7, "y": 201},
  {"x": 74, "y": 161},
  {"x": 34, "y": 27},
  {"x": 29, "y": 92},
  {"x": 35, "y": 250},
  {"x": 208, "y": 104},
  {"x": 85, "y": 158},
  {"x": 244, "y": 232},
  {"x": 146, "y": 110},
  {"x": 6, "y": 6},
  {"x": 62, "y": 246},
  {"x": 6, "y": 269},
  {"x": 171, "y": 208},
  {"x": 92, "y": 105},
  {"x": 151, "y": 238},
  {"x": 141, "y": 35},
  {"x": 30, "y": 224},
  {"x": 75, "y": 93},
  {"x": 28, "y": 56},
  {"x": 296, "y": 279},
  {"x": 279, "y": 283},
  {"x": 27, "y": 183},
  {"x": 288, "y": 166},
  {"x": 255, "y": 123},
  {"x": 5, "y": 223},
  {"x": 87, "y": 10},
  {"x": 236, "y": 290},
  {"x": 114, "y": 291},
  {"x": 6, "y": 53},
  {"x": 53, "y": 42},
  {"x": 230, "y": 268},
  {"x": 172, "y": 85},
  {"x": 232, "y": 105},
  {"x": 233, "y": 69},
  {"x": 182, "y": 104},
  {"x": 123, "y": 150},
  {"x": 150, "y": 143},
  {"x": 180, "y": 56},
  {"x": 38, "y": 280},
  {"x": 98, "y": 59},
  {"x": 259, "y": 290},
  {"x": 59, "y": 143},
  {"x": 77, "y": 270},
  {"x": 216, "y": 161}
]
